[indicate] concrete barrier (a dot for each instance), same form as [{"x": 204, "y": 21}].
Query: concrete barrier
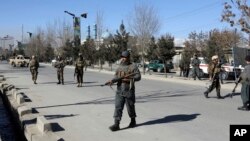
[
  {"x": 20, "y": 99},
  {"x": 23, "y": 110},
  {"x": 43, "y": 124}
]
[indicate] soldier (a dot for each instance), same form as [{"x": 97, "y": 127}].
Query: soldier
[
  {"x": 79, "y": 65},
  {"x": 34, "y": 64},
  {"x": 60, "y": 64},
  {"x": 214, "y": 69},
  {"x": 196, "y": 67},
  {"x": 245, "y": 88},
  {"x": 125, "y": 91}
]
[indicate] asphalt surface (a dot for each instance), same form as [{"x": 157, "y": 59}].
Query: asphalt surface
[{"x": 168, "y": 108}]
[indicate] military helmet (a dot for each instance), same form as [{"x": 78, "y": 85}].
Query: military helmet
[
  {"x": 215, "y": 57},
  {"x": 125, "y": 54}
]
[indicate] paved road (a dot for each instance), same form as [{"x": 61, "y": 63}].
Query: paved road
[{"x": 171, "y": 109}]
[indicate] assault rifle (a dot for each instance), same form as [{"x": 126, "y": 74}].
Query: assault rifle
[
  {"x": 76, "y": 72},
  {"x": 236, "y": 84},
  {"x": 118, "y": 79}
]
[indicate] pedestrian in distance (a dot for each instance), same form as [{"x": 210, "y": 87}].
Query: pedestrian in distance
[
  {"x": 60, "y": 64},
  {"x": 214, "y": 69},
  {"x": 196, "y": 67},
  {"x": 79, "y": 66},
  {"x": 125, "y": 93},
  {"x": 244, "y": 79},
  {"x": 34, "y": 64}
]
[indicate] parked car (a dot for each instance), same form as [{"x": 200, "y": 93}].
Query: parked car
[
  {"x": 18, "y": 60},
  {"x": 229, "y": 71},
  {"x": 53, "y": 62},
  {"x": 158, "y": 66}
]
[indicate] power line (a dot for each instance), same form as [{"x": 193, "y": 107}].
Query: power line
[{"x": 194, "y": 11}]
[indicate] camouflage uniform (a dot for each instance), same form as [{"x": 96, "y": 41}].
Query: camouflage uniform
[
  {"x": 125, "y": 93},
  {"x": 34, "y": 64},
  {"x": 79, "y": 65},
  {"x": 60, "y": 64},
  {"x": 196, "y": 67},
  {"x": 214, "y": 71}
]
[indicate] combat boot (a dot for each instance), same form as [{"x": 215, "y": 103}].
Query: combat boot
[
  {"x": 206, "y": 94},
  {"x": 132, "y": 123},
  {"x": 219, "y": 96},
  {"x": 116, "y": 126},
  {"x": 59, "y": 82},
  {"x": 244, "y": 107}
]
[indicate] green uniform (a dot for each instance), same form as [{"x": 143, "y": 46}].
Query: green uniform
[
  {"x": 34, "y": 64},
  {"x": 196, "y": 68},
  {"x": 214, "y": 71},
  {"x": 125, "y": 93},
  {"x": 79, "y": 65},
  {"x": 60, "y": 68}
]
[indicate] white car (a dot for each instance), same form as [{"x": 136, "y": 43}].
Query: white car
[{"x": 53, "y": 62}]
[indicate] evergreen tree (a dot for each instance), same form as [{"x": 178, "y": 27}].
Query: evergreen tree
[
  {"x": 152, "y": 53},
  {"x": 166, "y": 50},
  {"x": 121, "y": 38}
]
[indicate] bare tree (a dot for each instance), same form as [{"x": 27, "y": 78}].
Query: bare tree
[
  {"x": 144, "y": 23},
  {"x": 242, "y": 19}
]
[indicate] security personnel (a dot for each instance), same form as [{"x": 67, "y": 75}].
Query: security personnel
[
  {"x": 214, "y": 69},
  {"x": 125, "y": 93},
  {"x": 34, "y": 64},
  {"x": 60, "y": 64},
  {"x": 79, "y": 65},
  {"x": 196, "y": 67},
  {"x": 245, "y": 87}
]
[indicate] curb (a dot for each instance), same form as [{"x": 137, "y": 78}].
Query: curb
[{"x": 33, "y": 126}]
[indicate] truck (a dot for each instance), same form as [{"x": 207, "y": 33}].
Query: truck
[
  {"x": 158, "y": 66},
  {"x": 18, "y": 60}
]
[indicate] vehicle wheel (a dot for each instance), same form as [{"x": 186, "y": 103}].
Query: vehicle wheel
[
  {"x": 13, "y": 64},
  {"x": 224, "y": 75},
  {"x": 159, "y": 70},
  {"x": 201, "y": 73}
]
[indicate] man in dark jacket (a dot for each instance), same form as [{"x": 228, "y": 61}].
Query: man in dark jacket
[
  {"x": 125, "y": 93},
  {"x": 244, "y": 79},
  {"x": 196, "y": 67}
]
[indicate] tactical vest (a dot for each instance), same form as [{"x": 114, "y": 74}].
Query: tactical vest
[
  {"x": 124, "y": 70},
  {"x": 80, "y": 63}
]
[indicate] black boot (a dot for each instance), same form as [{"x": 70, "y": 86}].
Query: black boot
[
  {"x": 206, "y": 94},
  {"x": 115, "y": 127},
  {"x": 244, "y": 107},
  {"x": 59, "y": 82},
  {"x": 219, "y": 96},
  {"x": 132, "y": 123}
]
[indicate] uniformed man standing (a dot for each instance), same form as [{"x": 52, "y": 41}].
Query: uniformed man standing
[
  {"x": 34, "y": 64},
  {"x": 244, "y": 79},
  {"x": 125, "y": 93},
  {"x": 196, "y": 67},
  {"x": 79, "y": 66},
  {"x": 214, "y": 69},
  {"x": 60, "y": 64}
]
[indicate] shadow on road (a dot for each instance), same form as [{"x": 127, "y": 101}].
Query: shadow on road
[
  {"x": 48, "y": 117},
  {"x": 172, "y": 118}
]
